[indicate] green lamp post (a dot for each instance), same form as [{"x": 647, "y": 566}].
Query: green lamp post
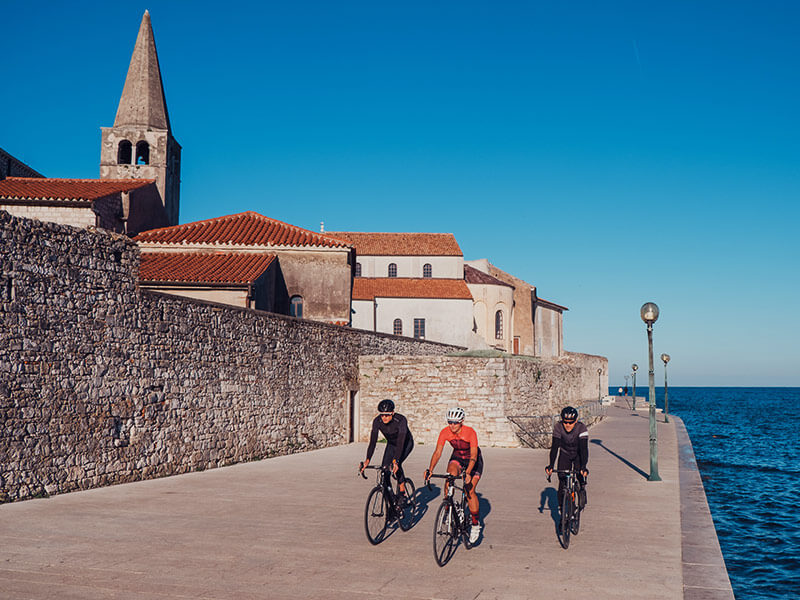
[
  {"x": 635, "y": 368},
  {"x": 599, "y": 397},
  {"x": 665, "y": 358},
  {"x": 649, "y": 313}
]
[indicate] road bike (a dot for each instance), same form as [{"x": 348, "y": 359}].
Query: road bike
[
  {"x": 385, "y": 505},
  {"x": 571, "y": 505},
  {"x": 452, "y": 519}
]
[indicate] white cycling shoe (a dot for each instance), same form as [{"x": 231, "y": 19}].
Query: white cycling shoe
[{"x": 474, "y": 534}]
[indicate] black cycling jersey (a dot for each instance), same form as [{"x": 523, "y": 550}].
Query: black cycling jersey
[
  {"x": 397, "y": 435},
  {"x": 574, "y": 445}
]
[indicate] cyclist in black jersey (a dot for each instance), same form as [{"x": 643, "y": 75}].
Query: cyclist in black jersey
[
  {"x": 399, "y": 441},
  {"x": 571, "y": 443}
]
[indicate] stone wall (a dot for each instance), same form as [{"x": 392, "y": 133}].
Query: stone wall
[
  {"x": 503, "y": 397},
  {"x": 103, "y": 383}
]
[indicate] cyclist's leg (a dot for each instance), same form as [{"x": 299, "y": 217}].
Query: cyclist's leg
[
  {"x": 472, "y": 496},
  {"x": 401, "y": 476},
  {"x": 564, "y": 463}
]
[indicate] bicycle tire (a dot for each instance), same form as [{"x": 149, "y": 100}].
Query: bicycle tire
[
  {"x": 566, "y": 511},
  {"x": 375, "y": 516},
  {"x": 465, "y": 526},
  {"x": 576, "y": 515},
  {"x": 445, "y": 533},
  {"x": 409, "y": 513}
]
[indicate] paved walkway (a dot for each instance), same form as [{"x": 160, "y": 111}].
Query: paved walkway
[{"x": 292, "y": 527}]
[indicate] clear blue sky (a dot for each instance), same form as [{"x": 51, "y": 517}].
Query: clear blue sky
[{"x": 610, "y": 153}]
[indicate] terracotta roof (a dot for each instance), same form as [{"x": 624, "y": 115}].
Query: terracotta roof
[
  {"x": 245, "y": 229},
  {"x": 195, "y": 267},
  {"x": 401, "y": 244},
  {"x": 45, "y": 188},
  {"x": 473, "y": 275},
  {"x": 368, "y": 288}
]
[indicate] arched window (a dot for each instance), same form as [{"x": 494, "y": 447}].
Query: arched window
[
  {"x": 124, "y": 153},
  {"x": 358, "y": 269},
  {"x": 398, "y": 327},
  {"x": 296, "y": 306},
  {"x": 392, "y": 270},
  {"x": 427, "y": 270},
  {"x": 142, "y": 153},
  {"x": 498, "y": 325}
]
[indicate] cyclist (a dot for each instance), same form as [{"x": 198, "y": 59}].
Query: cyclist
[
  {"x": 399, "y": 441},
  {"x": 466, "y": 456},
  {"x": 571, "y": 443}
]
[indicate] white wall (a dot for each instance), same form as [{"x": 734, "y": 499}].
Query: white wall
[
  {"x": 488, "y": 300},
  {"x": 363, "y": 314},
  {"x": 447, "y": 267}
]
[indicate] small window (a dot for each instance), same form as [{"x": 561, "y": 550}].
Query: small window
[
  {"x": 392, "y": 270},
  {"x": 419, "y": 328},
  {"x": 358, "y": 269},
  {"x": 142, "y": 153},
  {"x": 427, "y": 270},
  {"x": 124, "y": 153},
  {"x": 498, "y": 325},
  {"x": 398, "y": 327},
  {"x": 296, "y": 307}
]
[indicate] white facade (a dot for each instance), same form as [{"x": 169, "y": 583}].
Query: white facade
[
  {"x": 446, "y": 320},
  {"x": 442, "y": 267}
]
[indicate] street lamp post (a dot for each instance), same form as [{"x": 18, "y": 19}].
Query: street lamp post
[
  {"x": 665, "y": 358},
  {"x": 649, "y": 313},
  {"x": 635, "y": 368},
  {"x": 599, "y": 397}
]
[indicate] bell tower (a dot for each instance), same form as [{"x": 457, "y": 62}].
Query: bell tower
[{"x": 140, "y": 144}]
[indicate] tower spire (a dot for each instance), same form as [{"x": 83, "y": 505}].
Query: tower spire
[{"x": 143, "y": 102}]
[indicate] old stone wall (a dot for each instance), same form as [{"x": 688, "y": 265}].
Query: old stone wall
[
  {"x": 102, "y": 383},
  {"x": 509, "y": 401}
]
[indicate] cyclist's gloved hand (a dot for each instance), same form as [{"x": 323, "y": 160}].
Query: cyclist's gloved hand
[
  {"x": 548, "y": 469},
  {"x": 427, "y": 475}
]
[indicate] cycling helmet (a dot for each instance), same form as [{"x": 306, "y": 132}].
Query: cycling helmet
[
  {"x": 569, "y": 414},
  {"x": 455, "y": 414},
  {"x": 385, "y": 406}
]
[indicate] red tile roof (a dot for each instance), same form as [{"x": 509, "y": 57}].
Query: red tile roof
[
  {"x": 244, "y": 229},
  {"x": 67, "y": 190},
  {"x": 196, "y": 267},
  {"x": 368, "y": 288},
  {"x": 401, "y": 244},
  {"x": 473, "y": 275}
]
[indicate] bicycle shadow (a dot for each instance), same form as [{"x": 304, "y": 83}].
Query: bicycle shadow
[
  {"x": 549, "y": 497},
  {"x": 625, "y": 461}
]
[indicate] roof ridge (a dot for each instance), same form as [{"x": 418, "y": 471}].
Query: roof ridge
[{"x": 76, "y": 179}]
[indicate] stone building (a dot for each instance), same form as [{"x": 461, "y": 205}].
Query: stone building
[
  {"x": 316, "y": 269},
  {"x": 492, "y": 309},
  {"x": 247, "y": 280},
  {"x": 140, "y": 145},
  {"x": 118, "y": 205},
  {"x": 537, "y": 324},
  {"x": 12, "y": 167},
  {"x": 411, "y": 284}
]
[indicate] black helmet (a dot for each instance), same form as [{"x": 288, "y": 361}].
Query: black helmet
[
  {"x": 385, "y": 406},
  {"x": 569, "y": 414}
]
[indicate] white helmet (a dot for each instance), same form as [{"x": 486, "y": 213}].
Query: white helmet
[{"x": 455, "y": 414}]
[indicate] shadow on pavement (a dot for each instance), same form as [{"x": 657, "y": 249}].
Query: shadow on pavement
[
  {"x": 620, "y": 458},
  {"x": 550, "y": 498}
]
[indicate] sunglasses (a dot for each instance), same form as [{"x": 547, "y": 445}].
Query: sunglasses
[
  {"x": 454, "y": 422},
  {"x": 569, "y": 422}
]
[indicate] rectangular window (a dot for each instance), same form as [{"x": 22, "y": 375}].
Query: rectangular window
[{"x": 419, "y": 328}]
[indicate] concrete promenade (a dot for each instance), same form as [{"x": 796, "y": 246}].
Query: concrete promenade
[{"x": 292, "y": 527}]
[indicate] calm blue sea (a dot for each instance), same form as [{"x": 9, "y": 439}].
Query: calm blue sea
[{"x": 747, "y": 448}]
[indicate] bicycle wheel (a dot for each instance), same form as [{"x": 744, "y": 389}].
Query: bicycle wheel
[
  {"x": 566, "y": 511},
  {"x": 466, "y": 524},
  {"x": 375, "y": 516},
  {"x": 576, "y": 514},
  {"x": 409, "y": 512},
  {"x": 445, "y": 533}
]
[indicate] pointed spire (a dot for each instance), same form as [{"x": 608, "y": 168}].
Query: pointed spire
[{"x": 143, "y": 101}]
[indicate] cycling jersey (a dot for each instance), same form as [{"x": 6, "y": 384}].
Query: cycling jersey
[
  {"x": 573, "y": 444},
  {"x": 396, "y": 433},
  {"x": 461, "y": 441}
]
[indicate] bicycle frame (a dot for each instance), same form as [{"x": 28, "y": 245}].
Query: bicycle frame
[
  {"x": 451, "y": 511},
  {"x": 571, "y": 508}
]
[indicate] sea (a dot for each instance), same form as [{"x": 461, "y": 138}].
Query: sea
[{"x": 747, "y": 445}]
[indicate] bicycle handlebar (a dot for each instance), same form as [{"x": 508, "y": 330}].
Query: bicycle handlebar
[
  {"x": 567, "y": 472},
  {"x": 362, "y": 468}
]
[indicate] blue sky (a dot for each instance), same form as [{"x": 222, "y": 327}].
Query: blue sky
[{"x": 609, "y": 153}]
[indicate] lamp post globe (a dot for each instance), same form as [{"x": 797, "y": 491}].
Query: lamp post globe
[
  {"x": 649, "y": 314},
  {"x": 665, "y": 359},
  {"x": 634, "y": 368}
]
